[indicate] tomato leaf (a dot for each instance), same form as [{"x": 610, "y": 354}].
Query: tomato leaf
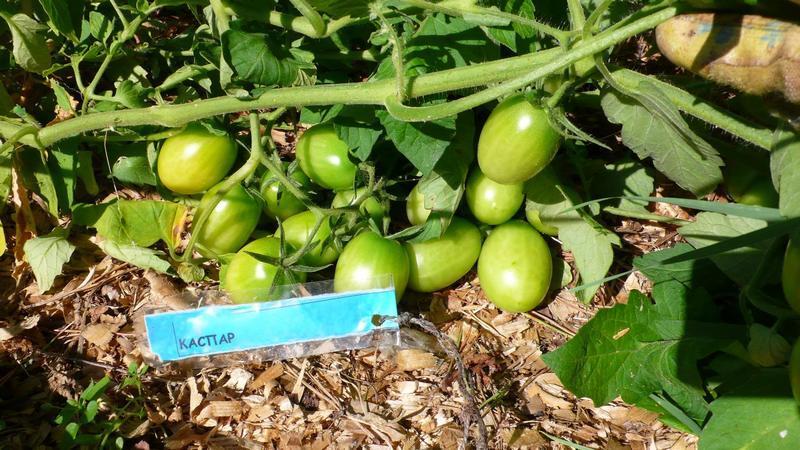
[
  {"x": 36, "y": 176},
  {"x": 47, "y": 255},
  {"x": 133, "y": 222},
  {"x": 590, "y": 243},
  {"x": 134, "y": 169},
  {"x": 638, "y": 348},
  {"x": 711, "y": 228},
  {"x": 29, "y": 46},
  {"x": 260, "y": 59},
  {"x": 624, "y": 178},
  {"x": 101, "y": 27},
  {"x": 145, "y": 258},
  {"x": 785, "y": 168},
  {"x": 688, "y": 160},
  {"x": 422, "y": 143},
  {"x": 5, "y": 179},
  {"x": 755, "y": 411},
  {"x": 65, "y": 16},
  {"x": 63, "y": 165},
  {"x": 356, "y": 125}
]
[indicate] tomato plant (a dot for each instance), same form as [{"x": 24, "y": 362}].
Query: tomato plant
[
  {"x": 367, "y": 259},
  {"x": 791, "y": 274},
  {"x": 516, "y": 142},
  {"x": 231, "y": 222},
  {"x": 249, "y": 280},
  {"x": 416, "y": 212},
  {"x": 491, "y": 202},
  {"x": 515, "y": 267},
  {"x": 297, "y": 231},
  {"x": 371, "y": 206},
  {"x": 278, "y": 203},
  {"x": 440, "y": 262},
  {"x": 325, "y": 158},
  {"x": 194, "y": 160}
]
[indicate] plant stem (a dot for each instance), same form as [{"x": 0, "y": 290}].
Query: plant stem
[
  {"x": 303, "y": 26},
  {"x": 311, "y": 15}
]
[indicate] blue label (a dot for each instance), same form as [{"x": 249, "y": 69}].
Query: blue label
[{"x": 220, "y": 329}]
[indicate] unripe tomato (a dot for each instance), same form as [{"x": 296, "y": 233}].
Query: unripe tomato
[
  {"x": 366, "y": 259},
  {"x": 415, "y": 207},
  {"x": 249, "y": 280},
  {"x": 515, "y": 267},
  {"x": 791, "y": 274},
  {"x": 749, "y": 183},
  {"x": 278, "y": 202},
  {"x": 438, "y": 263},
  {"x": 370, "y": 206},
  {"x": 794, "y": 371},
  {"x": 325, "y": 158},
  {"x": 194, "y": 160},
  {"x": 516, "y": 142},
  {"x": 297, "y": 230},
  {"x": 231, "y": 222},
  {"x": 491, "y": 202}
]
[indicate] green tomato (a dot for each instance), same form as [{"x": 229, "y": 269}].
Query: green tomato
[
  {"x": 194, "y": 160},
  {"x": 366, "y": 259},
  {"x": 248, "y": 280},
  {"x": 750, "y": 186},
  {"x": 438, "y": 263},
  {"x": 515, "y": 267},
  {"x": 278, "y": 203},
  {"x": 791, "y": 274},
  {"x": 794, "y": 371},
  {"x": 325, "y": 158},
  {"x": 415, "y": 207},
  {"x": 370, "y": 206},
  {"x": 516, "y": 142},
  {"x": 231, "y": 222},
  {"x": 491, "y": 202},
  {"x": 297, "y": 230}
]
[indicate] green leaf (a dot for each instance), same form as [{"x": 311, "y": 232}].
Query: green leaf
[
  {"x": 711, "y": 228},
  {"x": 36, "y": 176},
  {"x": 689, "y": 161},
  {"x": 96, "y": 389},
  {"x": 65, "y": 16},
  {"x": 422, "y": 143},
  {"x": 133, "y": 222},
  {"x": 29, "y": 45},
  {"x": 625, "y": 178},
  {"x": 590, "y": 243},
  {"x": 313, "y": 115},
  {"x": 85, "y": 172},
  {"x": 130, "y": 94},
  {"x": 47, "y": 255},
  {"x": 341, "y": 8},
  {"x": 90, "y": 412},
  {"x": 6, "y": 103},
  {"x": 356, "y": 125},
  {"x": 63, "y": 165},
  {"x": 62, "y": 97},
  {"x": 757, "y": 413},
  {"x": 785, "y": 168},
  {"x": 72, "y": 430},
  {"x": 100, "y": 26},
  {"x": 5, "y": 179},
  {"x": 142, "y": 257},
  {"x": 134, "y": 170},
  {"x": 259, "y": 59}
]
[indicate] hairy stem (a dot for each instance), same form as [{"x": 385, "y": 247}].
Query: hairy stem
[{"x": 311, "y": 15}]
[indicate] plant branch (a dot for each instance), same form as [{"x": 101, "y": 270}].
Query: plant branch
[{"x": 311, "y": 15}]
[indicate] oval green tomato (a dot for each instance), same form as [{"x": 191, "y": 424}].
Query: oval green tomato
[
  {"x": 371, "y": 206},
  {"x": 231, "y": 222},
  {"x": 516, "y": 142},
  {"x": 415, "y": 207},
  {"x": 367, "y": 259},
  {"x": 195, "y": 160},
  {"x": 791, "y": 274},
  {"x": 794, "y": 371},
  {"x": 748, "y": 182},
  {"x": 438, "y": 263},
  {"x": 515, "y": 267},
  {"x": 297, "y": 231},
  {"x": 278, "y": 203},
  {"x": 491, "y": 202},
  {"x": 247, "y": 280},
  {"x": 325, "y": 158}
]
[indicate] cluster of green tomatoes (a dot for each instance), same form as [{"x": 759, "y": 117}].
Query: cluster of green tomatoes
[{"x": 514, "y": 261}]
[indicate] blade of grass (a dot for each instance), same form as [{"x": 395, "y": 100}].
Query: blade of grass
[{"x": 731, "y": 209}]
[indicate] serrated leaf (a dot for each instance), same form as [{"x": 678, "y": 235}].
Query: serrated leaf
[
  {"x": 47, "y": 255},
  {"x": 100, "y": 27},
  {"x": 590, "y": 243},
  {"x": 29, "y": 46},
  {"x": 133, "y": 222},
  {"x": 145, "y": 258},
  {"x": 259, "y": 59},
  {"x": 134, "y": 170},
  {"x": 758, "y": 413},
  {"x": 356, "y": 125},
  {"x": 625, "y": 178},
  {"x": 711, "y": 228},
  {"x": 130, "y": 94},
  {"x": 785, "y": 169},
  {"x": 692, "y": 163},
  {"x": 340, "y": 8},
  {"x": 313, "y": 115},
  {"x": 422, "y": 143}
]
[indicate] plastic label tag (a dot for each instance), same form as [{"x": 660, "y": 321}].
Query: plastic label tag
[{"x": 212, "y": 330}]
